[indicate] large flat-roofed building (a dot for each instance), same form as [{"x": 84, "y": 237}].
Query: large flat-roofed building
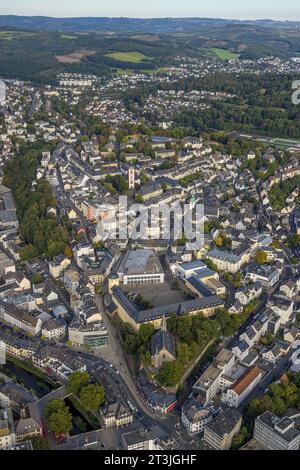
[
  {"x": 199, "y": 278},
  {"x": 141, "y": 267},
  {"x": 193, "y": 268},
  {"x": 219, "y": 433},
  {"x": 93, "y": 335},
  {"x": 276, "y": 433},
  {"x": 210, "y": 382}
]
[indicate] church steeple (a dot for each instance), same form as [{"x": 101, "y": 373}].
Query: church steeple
[{"x": 164, "y": 324}]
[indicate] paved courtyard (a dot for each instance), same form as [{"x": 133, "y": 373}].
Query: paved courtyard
[{"x": 159, "y": 295}]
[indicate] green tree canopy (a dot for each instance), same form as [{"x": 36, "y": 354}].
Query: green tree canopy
[
  {"x": 77, "y": 380},
  {"x": 92, "y": 396},
  {"x": 58, "y": 416},
  {"x": 170, "y": 373}
]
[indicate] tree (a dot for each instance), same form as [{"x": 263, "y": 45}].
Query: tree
[
  {"x": 144, "y": 178},
  {"x": 170, "y": 373},
  {"x": 77, "y": 381},
  {"x": 237, "y": 280},
  {"x": 211, "y": 265},
  {"x": 240, "y": 439},
  {"x": 294, "y": 241},
  {"x": 267, "y": 339},
  {"x": 258, "y": 406},
  {"x": 28, "y": 252},
  {"x": 219, "y": 241},
  {"x": 92, "y": 396},
  {"x": 68, "y": 252},
  {"x": 98, "y": 288},
  {"x": 139, "y": 199},
  {"x": 37, "y": 278},
  {"x": 184, "y": 353},
  {"x": 145, "y": 332},
  {"x": 40, "y": 443},
  {"x": 58, "y": 417},
  {"x": 261, "y": 257},
  {"x": 227, "y": 322},
  {"x": 145, "y": 357},
  {"x": 118, "y": 182}
]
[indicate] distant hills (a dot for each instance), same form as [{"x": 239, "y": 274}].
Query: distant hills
[
  {"x": 38, "y": 48},
  {"x": 134, "y": 25}
]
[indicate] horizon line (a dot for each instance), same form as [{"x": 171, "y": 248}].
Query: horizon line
[{"x": 285, "y": 20}]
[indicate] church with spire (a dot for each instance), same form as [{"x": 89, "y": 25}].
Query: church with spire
[{"x": 162, "y": 346}]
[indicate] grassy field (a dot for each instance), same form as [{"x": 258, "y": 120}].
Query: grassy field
[
  {"x": 134, "y": 57},
  {"x": 224, "y": 54},
  {"x": 11, "y": 35},
  {"x": 67, "y": 36}
]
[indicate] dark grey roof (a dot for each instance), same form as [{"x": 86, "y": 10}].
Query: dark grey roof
[
  {"x": 16, "y": 394},
  {"x": 162, "y": 340},
  {"x": 224, "y": 423},
  {"x": 199, "y": 286},
  {"x": 283, "y": 425},
  {"x": 243, "y": 346},
  {"x": 167, "y": 310}
]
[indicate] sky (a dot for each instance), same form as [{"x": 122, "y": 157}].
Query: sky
[{"x": 254, "y": 9}]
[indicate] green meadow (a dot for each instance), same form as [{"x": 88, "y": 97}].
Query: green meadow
[
  {"x": 134, "y": 57},
  {"x": 224, "y": 54},
  {"x": 11, "y": 35}
]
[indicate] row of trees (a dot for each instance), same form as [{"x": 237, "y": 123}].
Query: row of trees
[{"x": 40, "y": 230}]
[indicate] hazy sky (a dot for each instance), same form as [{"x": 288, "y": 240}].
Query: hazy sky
[{"x": 275, "y": 9}]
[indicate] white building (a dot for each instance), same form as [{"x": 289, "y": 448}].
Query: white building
[
  {"x": 210, "y": 382},
  {"x": 194, "y": 268},
  {"x": 276, "y": 433},
  {"x": 224, "y": 261},
  {"x": 255, "y": 331},
  {"x": 249, "y": 293},
  {"x": 268, "y": 276},
  {"x": 19, "y": 319},
  {"x": 53, "y": 329},
  {"x": 194, "y": 418},
  {"x": 282, "y": 307},
  {"x": 234, "y": 395},
  {"x": 141, "y": 267}
]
